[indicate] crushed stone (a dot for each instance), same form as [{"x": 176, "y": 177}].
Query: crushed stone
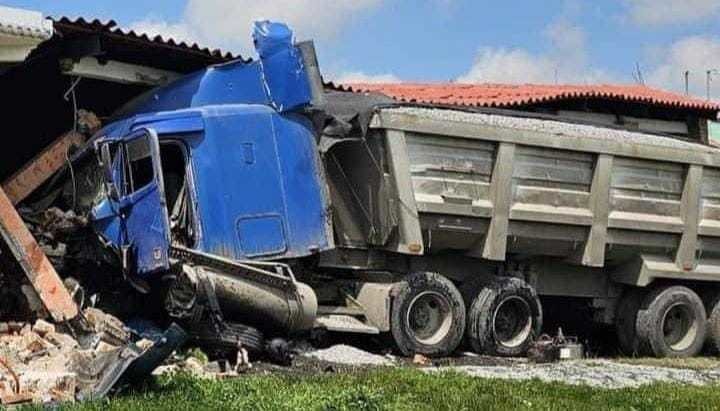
[
  {"x": 593, "y": 373},
  {"x": 348, "y": 355},
  {"x": 558, "y": 128}
]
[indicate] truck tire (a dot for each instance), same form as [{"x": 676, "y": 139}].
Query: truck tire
[
  {"x": 672, "y": 322},
  {"x": 230, "y": 337},
  {"x": 625, "y": 321},
  {"x": 504, "y": 318},
  {"x": 427, "y": 315},
  {"x": 713, "y": 333}
]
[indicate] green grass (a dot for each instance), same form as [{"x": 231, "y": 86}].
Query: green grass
[{"x": 401, "y": 389}]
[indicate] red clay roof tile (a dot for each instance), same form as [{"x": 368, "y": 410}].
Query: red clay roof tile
[{"x": 507, "y": 95}]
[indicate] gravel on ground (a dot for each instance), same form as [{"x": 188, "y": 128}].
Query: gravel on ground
[
  {"x": 599, "y": 373},
  {"x": 594, "y": 373},
  {"x": 345, "y": 354}
]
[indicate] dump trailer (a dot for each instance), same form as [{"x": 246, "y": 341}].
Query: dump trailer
[{"x": 253, "y": 199}]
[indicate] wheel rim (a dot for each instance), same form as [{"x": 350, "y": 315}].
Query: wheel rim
[
  {"x": 512, "y": 321},
  {"x": 429, "y": 317},
  {"x": 680, "y": 327}
]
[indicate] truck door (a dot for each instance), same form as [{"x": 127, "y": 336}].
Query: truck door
[{"x": 137, "y": 195}]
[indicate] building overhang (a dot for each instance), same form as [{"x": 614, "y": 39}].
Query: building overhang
[{"x": 21, "y": 31}]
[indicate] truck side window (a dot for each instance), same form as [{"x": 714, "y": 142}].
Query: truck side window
[
  {"x": 174, "y": 171},
  {"x": 140, "y": 164},
  {"x": 119, "y": 168}
]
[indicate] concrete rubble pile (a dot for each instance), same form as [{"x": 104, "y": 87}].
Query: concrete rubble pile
[
  {"x": 62, "y": 356},
  {"x": 45, "y": 363}
]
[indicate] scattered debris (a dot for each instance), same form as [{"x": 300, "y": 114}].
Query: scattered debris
[
  {"x": 278, "y": 350},
  {"x": 54, "y": 229},
  {"x": 345, "y": 354},
  {"x": 420, "y": 359},
  {"x": 195, "y": 362},
  {"x": 46, "y": 363},
  {"x": 548, "y": 349}
]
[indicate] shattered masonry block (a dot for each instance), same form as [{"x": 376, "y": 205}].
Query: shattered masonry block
[
  {"x": 49, "y": 386},
  {"x": 145, "y": 344},
  {"x": 112, "y": 330},
  {"x": 43, "y": 328},
  {"x": 103, "y": 347},
  {"x": 62, "y": 341},
  {"x": 6, "y": 387},
  {"x": 32, "y": 344},
  {"x": 26, "y": 329},
  {"x": 15, "y": 399}
]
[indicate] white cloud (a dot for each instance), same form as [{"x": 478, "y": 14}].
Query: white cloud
[
  {"x": 228, "y": 23},
  {"x": 659, "y": 12},
  {"x": 566, "y": 37},
  {"x": 361, "y": 77},
  {"x": 565, "y": 61},
  {"x": 696, "y": 54},
  {"x": 500, "y": 65}
]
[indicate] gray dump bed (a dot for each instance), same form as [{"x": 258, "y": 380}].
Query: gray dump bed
[{"x": 646, "y": 206}]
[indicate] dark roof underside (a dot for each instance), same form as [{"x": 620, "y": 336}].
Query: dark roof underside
[
  {"x": 36, "y": 111},
  {"x": 137, "y": 48}
]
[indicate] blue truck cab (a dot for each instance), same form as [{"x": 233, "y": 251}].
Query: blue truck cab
[
  {"x": 222, "y": 161},
  {"x": 221, "y": 186}
]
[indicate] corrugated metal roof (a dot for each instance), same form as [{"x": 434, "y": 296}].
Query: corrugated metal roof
[
  {"x": 110, "y": 27},
  {"x": 508, "y": 96}
]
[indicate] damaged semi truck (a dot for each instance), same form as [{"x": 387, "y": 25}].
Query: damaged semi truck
[{"x": 246, "y": 197}]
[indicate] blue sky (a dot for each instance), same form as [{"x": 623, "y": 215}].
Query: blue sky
[{"x": 566, "y": 41}]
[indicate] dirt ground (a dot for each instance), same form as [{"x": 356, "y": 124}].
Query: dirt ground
[
  {"x": 610, "y": 373},
  {"x": 614, "y": 373},
  {"x": 303, "y": 365}
]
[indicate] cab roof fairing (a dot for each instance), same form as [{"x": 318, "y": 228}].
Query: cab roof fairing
[{"x": 278, "y": 79}]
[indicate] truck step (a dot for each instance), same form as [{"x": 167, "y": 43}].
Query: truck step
[
  {"x": 339, "y": 310},
  {"x": 344, "y": 323}
]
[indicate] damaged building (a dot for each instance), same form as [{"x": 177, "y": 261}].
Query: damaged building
[
  {"x": 404, "y": 210},
  {"x": 74, "y": 73}
]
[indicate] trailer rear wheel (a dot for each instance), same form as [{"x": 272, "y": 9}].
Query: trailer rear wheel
[
  {"x": 672, "y": 322},
  {"x": 625, "y": 321},
  {"x": 713, "y": 337},
  {"x": 504, "y": 318},
  {"x": 428, "y": 315}
]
